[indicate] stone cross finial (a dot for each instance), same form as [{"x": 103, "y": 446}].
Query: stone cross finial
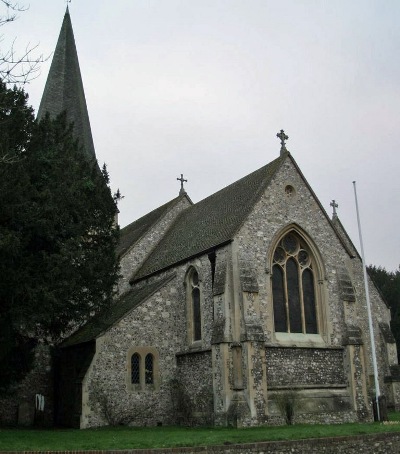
[
  {"x": 334, "y": 205},
  {"x": 281, "y": 135},
  {"x": 182, "y": 180}
]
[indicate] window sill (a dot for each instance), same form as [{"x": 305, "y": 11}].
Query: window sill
[{"x": 299, "y": 340}]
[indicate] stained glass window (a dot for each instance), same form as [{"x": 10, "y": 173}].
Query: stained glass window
[{"x": 293, "y": 287}]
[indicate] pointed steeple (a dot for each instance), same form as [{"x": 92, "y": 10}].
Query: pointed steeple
[{"x": 64, "y": 88}]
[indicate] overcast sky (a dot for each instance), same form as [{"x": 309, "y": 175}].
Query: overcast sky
[{"x": 201, "y": 87}]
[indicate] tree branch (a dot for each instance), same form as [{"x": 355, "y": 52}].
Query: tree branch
[{"x": 18, "y": 68}]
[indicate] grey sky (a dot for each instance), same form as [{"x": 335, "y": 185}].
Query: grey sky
[{"x": 201, "y": 87}]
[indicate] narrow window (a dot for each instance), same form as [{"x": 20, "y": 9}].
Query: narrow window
[
  {"x": 280, "y": 316},
  {"x": 135, "y": 369},
  {"x": 194, "y": 298},
  {"x": 212, "y": 258},
  {"x": 149, "y": 369},
  {"x": 310, "y": 314},
  {"x": 196, "y": 309},
  {"x": 292, "y": 280},
  {"x": 293, "y": 287}
]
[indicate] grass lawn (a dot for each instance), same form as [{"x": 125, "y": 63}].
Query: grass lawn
[{"x": 159, "y": 437}]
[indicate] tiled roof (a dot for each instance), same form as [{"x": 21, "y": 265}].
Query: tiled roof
[
  {"x": 210, "y": 222},
  {"x": 64, "y": 88},
  {"x": 107, "y": 318},
  {"x": 130, "y": 234}
]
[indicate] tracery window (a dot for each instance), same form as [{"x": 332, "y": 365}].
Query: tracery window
[
  {"x": 293, "y": 287},
  {"x": 194, "y": 309}
]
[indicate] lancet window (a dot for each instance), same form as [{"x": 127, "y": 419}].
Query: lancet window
[
  {"x": 293, "y": 287},
  {"x": 194, "y": 306},
  {"x": 135, "y": 369},
  {"x": 149, "y": 372}
]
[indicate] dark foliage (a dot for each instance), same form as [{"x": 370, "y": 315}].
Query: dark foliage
[
  {"x": 388, "y": 282},
  {"x": 57, "y": 234}
]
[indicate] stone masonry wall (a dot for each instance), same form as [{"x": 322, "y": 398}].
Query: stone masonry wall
[
  {"x": 303, "y": 367},
  {"x": 258, "y": 237},
  {"x": 388, "y": 443},
  {"x": 159, "y": 323},
  {"x": 195, "y": 374},
  {"x": 277, "y": 212},
  {"x": 379, "y": 309}
]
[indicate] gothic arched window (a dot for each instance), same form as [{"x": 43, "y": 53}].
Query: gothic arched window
[{"x": 293, "y": 287}]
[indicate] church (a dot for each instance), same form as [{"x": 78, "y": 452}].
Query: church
[{"x": 246, "y": 308}]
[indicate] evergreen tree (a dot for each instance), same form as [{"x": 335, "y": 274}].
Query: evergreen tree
[
  {"x": 57, "y": 234},
  {"x": 388, "y": 282}
]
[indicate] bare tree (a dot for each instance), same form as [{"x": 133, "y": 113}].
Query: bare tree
[{"x": 17, "y": 67}]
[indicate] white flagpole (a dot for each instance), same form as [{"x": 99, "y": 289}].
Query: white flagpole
[{"x": 371, "y": 328}]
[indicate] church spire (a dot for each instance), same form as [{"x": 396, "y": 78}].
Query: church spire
[{"x": 64, "y": 88}]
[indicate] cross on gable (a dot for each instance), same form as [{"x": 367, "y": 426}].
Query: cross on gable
[
  {"x": 281, "y": 135},
  {"x": 334, "y": 205},
  {"x": 182, "y": 180}
]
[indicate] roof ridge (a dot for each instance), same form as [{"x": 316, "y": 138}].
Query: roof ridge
[
  {"x": 210, "y": 222},
  {"x": 161, "y": 209}
]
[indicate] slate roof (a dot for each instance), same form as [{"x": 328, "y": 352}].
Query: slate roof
[
  {"x": 107, "y": 318},
  {"x": 64, "y": 88},
  {"x": 210, "y": 222},
  {"x": 130, "y": 234}
]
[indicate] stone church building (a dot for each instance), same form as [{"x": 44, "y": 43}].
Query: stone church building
[{"x": 227, "y": 308}]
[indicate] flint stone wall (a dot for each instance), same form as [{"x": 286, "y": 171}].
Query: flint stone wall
[
  {"x": 304, "y": 366},
  {"x": 195, "y": 372},
  {"x": 161, "y": 323},
  {"x": 364, "y": 444}
]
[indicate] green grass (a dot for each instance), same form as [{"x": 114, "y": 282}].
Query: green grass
[{"x": 159, "y": 437}]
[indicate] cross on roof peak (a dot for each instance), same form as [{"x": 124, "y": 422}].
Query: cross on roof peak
[
  {"x": 281, "y": 135},
  {"x": 334, "y": 205},
  {"x": 182, "y": 180}
]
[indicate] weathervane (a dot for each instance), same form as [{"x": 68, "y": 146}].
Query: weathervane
[
  {"x": 334, "y": 205},
  {"x": 182, "y": 180},
  {"x": 281, "y": 135}
]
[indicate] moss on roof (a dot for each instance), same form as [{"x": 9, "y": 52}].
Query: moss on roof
[
  {"x": 107, "y": 318},
  {"x": 130, "y": 234},
  {"x": 210, "y": 222}
]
